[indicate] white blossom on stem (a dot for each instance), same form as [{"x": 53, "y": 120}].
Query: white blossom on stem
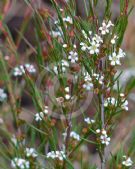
[
  {"x": 127, "y": 161},
  {"x": 73, "y": 56},
  {"x": 104, "y": 29}
]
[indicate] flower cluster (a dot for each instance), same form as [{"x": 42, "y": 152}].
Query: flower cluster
[
  {"x": 39, "y": 116},
  {"x": 127, "y": 161},
  {"x": 20, "y": 163},
  {"x": 60, "y": 155},
  {"x": 31, "y": 152},
  {"x": 20, "y": 70},
  {"x": 3, "y": 95},
  {"x": 103, "y": 137}
]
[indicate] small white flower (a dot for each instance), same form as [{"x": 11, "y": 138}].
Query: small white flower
[
  {"x": 63, "y": 65},
  {"x": 125, "y": 105},
  {"x": 68, "y": 19},
  {"x": 98, "y": 39},
  {"x": 20, "y": 163},
  {"x": 88, "y": 85},
  {"x": 67, "y": 89},
  {"x": 121, "y": 53},
  {"x": 89, "y": 121},
  {"x": 3, "y": 95},
  {"x": 31, "y": 152},
  {"x": 104, "y": 132},
  {"x": 99, "y": 78},
  {"x": 45, "y": 111},
  {"x": 110, "y": 101},
  {"x": 105, "y": 139},
  {"x": 73, "y": 56},
  {"x": 60, "y": 155},
  {"x": 73, "y": 135},
  {"x": 114, "y": 59},
  {"x": 39, "y": 116},
  {"x": 113, "y": 40},
  {"x": 98, "y": 131},
  {"x": 30, "y": 68},
  {"x": 127, "y": 162},
  {"x": 122, "y": 95},
  {"x": 83, "y": 46},
  {"x": 64, "y": 45},
  {"x": 67, "y": 96},
  {"x": 104, "y": 29},
  {"x": 94, "y": 48}
]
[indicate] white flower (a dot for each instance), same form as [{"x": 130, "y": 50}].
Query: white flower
[
  {"x": 67, "y": 96},
  {"x": 121, "y": 53},
  {"x": 30, "y": 68},
  {"x": 94, "y": 48},
  {"x": 97, "y": 38},
  {"x": 110, "y": 101},
  {"x": 113, "y": 40},
  {"x": 39, "y": 116},
  {"x": 73, "y": 56},
  {"x": 17, "y": 71},
  {"x": 63, "y": 65},
  {"x": 68, "y": 19},
  {"x": 105, "y": 139},
  {"x": 114, "y": 59},
  {"x": 64, "y": 45},
  {"x": 45, "y": 111},
  {"x": 3, "y": 95},
  {"x": 57, "y": 155},
  {"x": 89, "y": 121},
  {"x": 127, "y": 162},
  {"x": 104, "y": 29},
  {"x": 98, "y": 131},
  {"x": 73, "y": 135},
  {"x": 88, "y": 85},
  {"x": 99, "y": 78},
  {"x": 31, "y": 152},
  {"x": 67, "y": 89},
  {"x": 20, "y": 163},
  {"x": 125, "y": 105},
  {"x": 83, "y": 46}
]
